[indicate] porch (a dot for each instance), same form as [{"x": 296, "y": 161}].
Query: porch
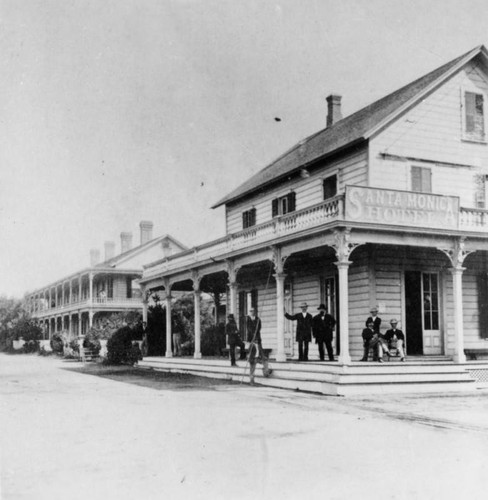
[{"x": 419, "y": 374}]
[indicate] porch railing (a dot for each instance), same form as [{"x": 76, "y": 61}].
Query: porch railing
[
  {"x": 473, "y": 219},
  {"x": 86, "y": 303}
]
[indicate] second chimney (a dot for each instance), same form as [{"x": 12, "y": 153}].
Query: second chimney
[
  {"x": 109, "y": 250},
  {"x": 334, "y": 113},
  {"x": 94, "y": 257},
  {"x": 146, "y": 231},
  {"x": 125, "y": 242}
]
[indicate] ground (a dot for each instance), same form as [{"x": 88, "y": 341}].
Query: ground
[{"x": 69, "y": 434}]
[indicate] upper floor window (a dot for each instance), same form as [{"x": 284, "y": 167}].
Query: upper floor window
[
  {"x": 249, "y": 218},
  {"x": 284, "y": 204},
  {"x": 330, "y": 187},
  {"x": 474, "y": 116},
  {"x": 422, "y": 179}
]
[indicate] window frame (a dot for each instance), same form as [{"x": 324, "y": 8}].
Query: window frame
[
  {"x": 283, "y": 205},
  {"x": 471, "y": 136},
  {"x": 326, "y": 178},
  {"x": 421, "y": 169},
  {"x": 249, "y": 218}
]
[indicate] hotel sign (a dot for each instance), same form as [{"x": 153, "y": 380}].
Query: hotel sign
[{"x": 404, "y": 208}]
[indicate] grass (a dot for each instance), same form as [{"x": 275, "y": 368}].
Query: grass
[{"x": 151, "y": 378}]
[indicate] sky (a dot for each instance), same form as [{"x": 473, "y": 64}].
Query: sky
[{"x": 117, "y": 111}]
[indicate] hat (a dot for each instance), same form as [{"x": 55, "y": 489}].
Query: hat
[
  {"x": 230, "y": 316},
  {"x": 373, "y": 309},
  {"x": 303, "y": 304},
  {"x": 393, "y": 322},
  {"x": 322, "y": 306}
]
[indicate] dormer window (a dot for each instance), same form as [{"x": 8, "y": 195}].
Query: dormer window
[
  {"x": 330, "y": 187},
  {"x": 284, "y": 204},
  {"x": 474, "y": 116},
  {"x": 249, "y": 218}
]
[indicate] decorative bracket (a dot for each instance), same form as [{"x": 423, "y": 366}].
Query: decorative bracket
[
  {"x": 457, "y": 253},
  {"x": 232, "y": 271},
  {"x": 343, "y": 246},
  {"x": 196, "y": 278},
  {"x": 278, "y": 259}
]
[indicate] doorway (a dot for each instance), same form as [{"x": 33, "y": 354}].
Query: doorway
[{"x": 423, "y": 334}]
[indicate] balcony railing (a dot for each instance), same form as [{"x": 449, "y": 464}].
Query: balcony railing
[
  {"x": 309, "y": 217},
  {"x": 98, "y": 303}
]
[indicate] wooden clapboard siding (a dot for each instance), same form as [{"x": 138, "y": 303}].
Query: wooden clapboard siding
[
  {"x": 120, "y": 287},
  {"x": 351, "y": 169},
  {"x": 432, "y": 130}
]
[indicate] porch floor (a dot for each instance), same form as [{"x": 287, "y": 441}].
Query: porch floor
[{"x": 434, "y": 374}]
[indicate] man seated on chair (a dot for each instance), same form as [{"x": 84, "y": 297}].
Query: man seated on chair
[
  {"x": 395, "y": 336},
  {"x": 375, "y": 341}
]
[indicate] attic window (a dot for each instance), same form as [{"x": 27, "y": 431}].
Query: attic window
[
  {"x": 474, "y": 116},
  {"x": 284, "y": 204}
]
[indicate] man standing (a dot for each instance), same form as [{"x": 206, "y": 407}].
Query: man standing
[
  {"x": 234, "y": 339},
  {"x": 368, "y": 335},
  {"x": 375, "y": 319},
  {"x": 177, "y": 329},
  {"x": 322, "y": 327},
  {"x": 256, "y": 353},
  {"x": 304, "y": 330},
  {"x": 394, "y": 335}
]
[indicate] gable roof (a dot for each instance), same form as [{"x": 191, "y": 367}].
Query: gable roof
[
  {"x": 351, "y": 129},
  {"x": 118, "y": 259}
]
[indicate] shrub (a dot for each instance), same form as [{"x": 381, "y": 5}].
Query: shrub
[
  {"x": 74, "y": 346},
  {"x": 57, "y": 343},
  {"x": 119, "y": 348},
  {"x": 31, "y": 346},
  {"x": 213, "y": 340},
  {"x": 92, "y": 341}
]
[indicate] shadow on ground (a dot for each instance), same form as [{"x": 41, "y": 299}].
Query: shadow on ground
[{"x": 161, "y": 381}]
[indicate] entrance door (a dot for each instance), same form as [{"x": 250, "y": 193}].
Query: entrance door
[
  {"x": 422, "y": 313},
  {"x": 329, "y": 297},
  {"x": 430, "y": 295}
]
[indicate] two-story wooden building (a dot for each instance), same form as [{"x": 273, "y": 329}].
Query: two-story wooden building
[
  {"x": 73, "y": 303},
  {"x": 386, "y": 207}
]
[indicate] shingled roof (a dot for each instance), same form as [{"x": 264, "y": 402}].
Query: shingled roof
[{"x": 351, "y": 129}]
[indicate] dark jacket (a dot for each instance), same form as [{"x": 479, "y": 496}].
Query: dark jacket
[
  {"x": 368, "y": 334},
  {"x": 322, "y": 327},
  {"x": 253, "y": 329},
  {"x": 232, "y": 333},
  {"x": 304, "y": 326},
  {"x": 376, "y": 323},
  {"x": 389, "y": 335}
]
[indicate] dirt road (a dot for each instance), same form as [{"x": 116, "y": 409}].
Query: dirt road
[{"x": 68, "y": 435}]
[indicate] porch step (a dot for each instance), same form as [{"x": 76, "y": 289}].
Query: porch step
[{"x": 331, "y": 378}]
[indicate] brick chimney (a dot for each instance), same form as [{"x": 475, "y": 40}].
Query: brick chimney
[
  {"x": 94, "y": 257},
  {"x": 125, "y": 242},
  {"x": 146, "y": 231},
  {"x": 109, "y": 250},
  {"x": 334, "y": 113}
]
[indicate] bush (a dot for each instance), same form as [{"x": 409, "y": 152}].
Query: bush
[
  {"x": 74, "y": 346},
  {"x": 92, "y": 342},
  {"x": 120, "y": 350},
  {"x": 57, "y": 343},
  {"x": 31, "y": 346},
  {"x": 213, "y": 340}
]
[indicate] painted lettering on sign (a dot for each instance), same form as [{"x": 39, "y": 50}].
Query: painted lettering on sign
[{"x": 404, "y": 208}]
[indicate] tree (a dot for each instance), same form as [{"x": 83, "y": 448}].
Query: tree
[{"x": 11, "y": 313}]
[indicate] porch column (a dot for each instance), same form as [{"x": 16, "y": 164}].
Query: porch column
[
  {"x": 196, "y": 295},
  {"x": 280, "y": 318},
  {"x": 457, "y": 290},
  {"x": 144, "y": 308},
  {"x": 62, "y": 293},
  {"x": 169, "y": 352},
  {"x": 232, "y": 271},
  {"x": 70, "y": 326},
  {"x": 70, "y": 301},
  {"x": 343, "y": 271},
  {"x": 80, "y": 288},
  {"x": 90, "y": 277},
  {"x": 90, "y": 318},
  {"x": 50, "y": 298}
]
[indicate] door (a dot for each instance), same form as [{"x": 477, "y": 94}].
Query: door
[
  {"x": 430, "y": 310},
  {"x": 422, "y": 330},
  {"x": 329, "y": 297}
]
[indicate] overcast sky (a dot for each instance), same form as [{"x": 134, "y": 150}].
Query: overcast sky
[{"x": 116, "y": 111}]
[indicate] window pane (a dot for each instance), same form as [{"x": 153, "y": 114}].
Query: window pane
[
  {"x": 435, "y": 321},
  {"x": 427, "y": 324}
]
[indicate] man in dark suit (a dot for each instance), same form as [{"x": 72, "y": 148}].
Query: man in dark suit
[
  {"x": 322, "y": 328},
  {"x": 394, "y": 336},
  {"x": 375, "y": 319},
  {"x": 304, "y": 330}
]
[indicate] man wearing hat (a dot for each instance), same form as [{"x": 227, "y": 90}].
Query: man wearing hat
[
  {"x": 395, "y": 334},
  {"x": 304, "y": 330},
  {"x": 322, "y": 328},
  {"x": 234, "y": 339},
  {"x": 375, "y": 319}
]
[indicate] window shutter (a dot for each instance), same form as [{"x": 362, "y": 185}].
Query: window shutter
[
  {"x": 274, "y": 207},
  {"x": 252, "y": 217},
  {"x": 426, "y": 180},
  {"x": 244, "y": 220},
  {"x": 416, "y": 179},
  {"x": 470, "y": 99},
  {"x": 291, "y": 201}
]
